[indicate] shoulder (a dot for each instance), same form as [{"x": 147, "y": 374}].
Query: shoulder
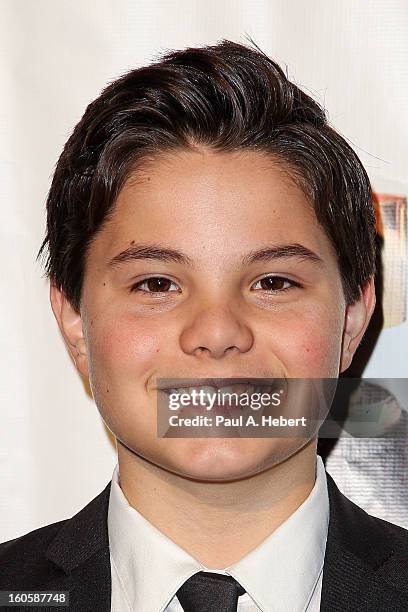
[
  {"x": 45, "y": 554},
  {"x": 25, "y": 556},
  {"x": 375, "y": 549},
  {"x": 401, "y": 533},
  {"x": 397, "y": 536},
  {"x": 366, "y": 559},
  {"x": 352, "y": 522},
  {"x": 395, "y": 542}
]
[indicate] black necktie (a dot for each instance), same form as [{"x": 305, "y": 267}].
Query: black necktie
[{"x": 210, "y": 592}]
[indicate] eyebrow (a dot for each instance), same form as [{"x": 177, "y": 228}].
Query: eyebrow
[
  {"x": 157, "y": 252},
  {"x": 150, "y": 251}
]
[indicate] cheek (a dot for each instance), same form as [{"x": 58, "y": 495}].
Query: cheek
[
  {"x": 122, "y": 353},
  {"x": 122, "y": 348},
  {"x": 311, "y": 344}
]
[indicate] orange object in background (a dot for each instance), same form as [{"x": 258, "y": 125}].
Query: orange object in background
[{"x": 391, "y": 215}]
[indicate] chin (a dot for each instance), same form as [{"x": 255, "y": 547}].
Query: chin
[{"x": 223, "y": 459}]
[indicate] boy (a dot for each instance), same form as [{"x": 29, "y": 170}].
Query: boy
[{"x": 205, "y": 222}]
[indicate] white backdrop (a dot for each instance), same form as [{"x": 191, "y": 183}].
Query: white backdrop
[{"x": 55, "y": 453}]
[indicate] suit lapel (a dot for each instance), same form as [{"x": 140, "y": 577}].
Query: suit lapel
[
  {"x": 357, "y": 552},
  {"x": 81, "y": 552}
]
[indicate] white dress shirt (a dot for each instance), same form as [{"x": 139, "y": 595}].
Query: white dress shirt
[{"x": 282, "y": 574}]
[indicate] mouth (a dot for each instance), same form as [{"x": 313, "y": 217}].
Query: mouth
[
  {"x": 179, "y": 383},
  {"x": 223, "y": 388}
]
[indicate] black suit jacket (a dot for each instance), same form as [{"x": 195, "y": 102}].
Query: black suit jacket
[{"x": 365, "y": 568}]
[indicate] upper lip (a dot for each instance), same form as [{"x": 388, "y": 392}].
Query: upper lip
[{"x": 178, "y": 383}]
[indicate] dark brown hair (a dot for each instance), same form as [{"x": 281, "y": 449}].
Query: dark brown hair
[{"x": 226, "y": 97}]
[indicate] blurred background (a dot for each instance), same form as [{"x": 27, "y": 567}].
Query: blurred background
[{"x": 351, "y": 56}]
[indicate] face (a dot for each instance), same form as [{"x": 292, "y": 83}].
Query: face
[{"x": 234, "y": 301}]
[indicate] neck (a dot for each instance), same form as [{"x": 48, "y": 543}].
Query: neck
[{"x": 234, "y": 516}]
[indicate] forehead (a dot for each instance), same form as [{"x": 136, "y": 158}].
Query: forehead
[{"x": 211, "y": 202}]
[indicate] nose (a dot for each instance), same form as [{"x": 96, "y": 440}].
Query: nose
[{"x": 216, "y": 330}]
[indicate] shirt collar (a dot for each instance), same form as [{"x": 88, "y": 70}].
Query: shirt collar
[{"x": 280, "y": 573}]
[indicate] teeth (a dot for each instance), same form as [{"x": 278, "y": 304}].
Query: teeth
[
  {"x": 179, "y": 390},
  {"x": 237, "y": 388},
  {"x": 240, "y": 389}
]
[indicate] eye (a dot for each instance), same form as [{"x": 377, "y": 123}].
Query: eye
[
  {"x": 154, "y": 284},
  {"x": 276, "y": 284}
]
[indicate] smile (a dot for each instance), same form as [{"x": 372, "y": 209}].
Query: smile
[{"x": 239, "y": 389}]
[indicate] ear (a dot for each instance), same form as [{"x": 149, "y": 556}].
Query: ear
[
  {"x": 70, "y": 324},
  {"x": 357, "y": 318}
]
